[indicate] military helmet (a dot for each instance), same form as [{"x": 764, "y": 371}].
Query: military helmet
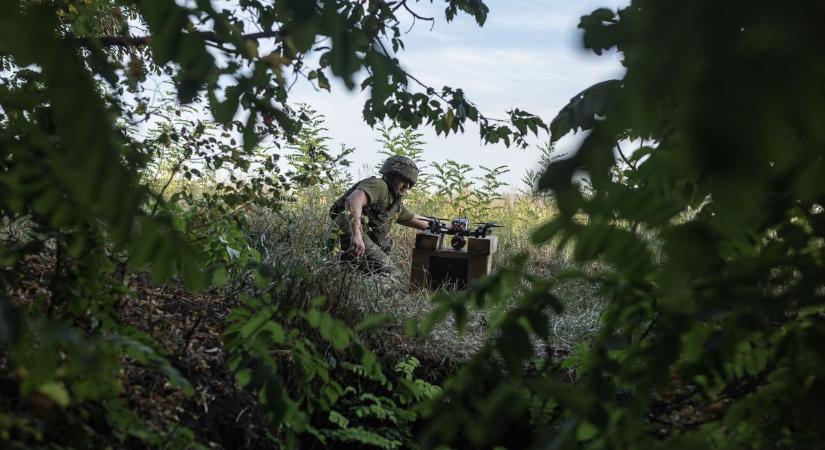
[{"x": 401, "y": 165}]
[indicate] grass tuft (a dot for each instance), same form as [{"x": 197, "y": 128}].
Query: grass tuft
[{"x": 295, "y": 238}]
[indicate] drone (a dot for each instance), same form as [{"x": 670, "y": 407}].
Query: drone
[{"x": 459, "y": 228}]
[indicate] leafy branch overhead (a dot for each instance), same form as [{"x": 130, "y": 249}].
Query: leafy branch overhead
[
  {"x": 713, "y": 238},
  {"x": 239, "y": 65},
  {"x": 584, "y": 110},
  {"x": 84, "y": 147},
  {"x": 695, "y": 201},
  {"x": 346, "y": 36}
]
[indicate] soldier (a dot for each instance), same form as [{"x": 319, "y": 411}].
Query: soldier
[{"x": 366, "y": 211}]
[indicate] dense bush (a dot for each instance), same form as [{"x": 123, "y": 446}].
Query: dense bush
[
  {"x": 725, "y": 321},
  {"x": 708, "y": 235}
]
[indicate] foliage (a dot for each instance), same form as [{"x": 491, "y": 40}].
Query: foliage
[
  {"x": 547, "y": 154},
  {"x": 57, "y": 99},
  {"x": 726, "y": 188},
  {"x": 487, "y": 197},
  {"x": 190, "y": 159},
  {"x": 395, "y": 410},
  {"x": 296, "y": 357},
  {"x": 406, "y": 142},
  {"x": 456, "y": 195},
  {"x": 353, "y": 296},
  {"x": 311, "y": 160},
  {"x": 67, "y": 349},
  {"x": 74, "y": 166},
  {"x": 453, "y": 186}
]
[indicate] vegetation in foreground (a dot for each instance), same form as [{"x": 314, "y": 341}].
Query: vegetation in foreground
[
  {"x": 345, "y": 347},
  {"x": 709, "y": 232}
]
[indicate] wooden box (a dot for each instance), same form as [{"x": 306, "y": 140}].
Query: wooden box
[{"x": 435, "y": 264}]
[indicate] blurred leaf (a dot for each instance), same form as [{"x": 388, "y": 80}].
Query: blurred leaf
[
  {"x": 57, "y": 392},
  {"x": 585, "y": 109}
]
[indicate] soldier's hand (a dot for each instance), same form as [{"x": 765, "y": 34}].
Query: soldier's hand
[{"x": 358, "y": 247}]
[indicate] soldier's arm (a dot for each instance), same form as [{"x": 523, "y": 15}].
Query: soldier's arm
[
  {"x": 355, "y": 204},
  {"x": 417, "y": 222}
]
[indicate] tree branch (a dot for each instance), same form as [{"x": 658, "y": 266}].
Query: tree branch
[
  {"x": 414, "y": 14},
  {"x": 430, "y": 90},
  {"x": 142, "y": 41},
  {"x": 624, "y": 158}
]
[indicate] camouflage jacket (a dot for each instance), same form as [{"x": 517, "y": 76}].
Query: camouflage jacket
[{"x": 383, "y": 209}]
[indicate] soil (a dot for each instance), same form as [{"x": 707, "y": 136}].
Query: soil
[{"x": 188, "y": 329}]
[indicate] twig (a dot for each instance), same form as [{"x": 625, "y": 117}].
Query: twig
[
  {"x": 649, "y": 328},
  {"x": 159, "y": 196},
  {"x": 142, "y": 41},
  {"x": 624, "y": 158},
  {"x": 414, "y": 14},
  {"x": 189, "y": 335},
  {"x": 55, "y": 281},
  {"x": 430, "y": 90},
  {"x": 237, "y": 419},
  {"x": 411, "y": 26},
  {"x": 691, "y": 425}
]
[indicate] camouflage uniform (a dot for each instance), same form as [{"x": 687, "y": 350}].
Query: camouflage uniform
[{"x": 384, "y": 207}]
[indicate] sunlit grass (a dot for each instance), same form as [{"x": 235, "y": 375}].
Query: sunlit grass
[{"x": 294, "y": 238}]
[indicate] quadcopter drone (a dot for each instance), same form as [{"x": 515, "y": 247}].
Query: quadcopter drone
[{"x": 459, "y": 228}]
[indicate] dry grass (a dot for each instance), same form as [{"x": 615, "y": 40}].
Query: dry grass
[{"x": 294, "y": 237}]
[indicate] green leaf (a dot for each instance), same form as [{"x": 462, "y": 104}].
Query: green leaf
[
  {"x": 582, "y": 111},
  {"x": 334, "y": 331},
  {"x": 57, "y": 392},
  {"x": 243, "y": 376},
  {"x": 275, "y": 330},
  {"x": 318, "y": 301},
  {"x": 220, "y": 276},
  {"x": 255, "y": 323},
  {"x": 314, "y": 317},
  {"x": 374, "y": 322},
  {"x": 546, "y": 232},
  {"x": 225, "y": 111},
  {"x": 586, "y": 431}
]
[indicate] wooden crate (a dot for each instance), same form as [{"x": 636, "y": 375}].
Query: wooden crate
[{"x": 434, "y": 262}]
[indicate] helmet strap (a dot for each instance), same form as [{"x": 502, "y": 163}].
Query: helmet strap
[{"x": 389, "y": 178}]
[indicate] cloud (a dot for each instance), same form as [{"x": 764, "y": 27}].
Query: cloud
[{"x": 501, "y": 78}]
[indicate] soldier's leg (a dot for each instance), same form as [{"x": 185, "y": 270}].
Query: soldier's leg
[
  {"x": 374, "y": 260},
  {"x": 378, "y": 260}
]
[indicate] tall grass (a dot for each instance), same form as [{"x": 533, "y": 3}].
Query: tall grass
[{"x": 295, "y": 237}]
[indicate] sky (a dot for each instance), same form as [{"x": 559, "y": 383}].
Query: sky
[{"x": 528, "y": 55}]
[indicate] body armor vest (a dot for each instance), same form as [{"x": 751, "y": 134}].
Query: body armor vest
[{"x": 379, "y": 218}]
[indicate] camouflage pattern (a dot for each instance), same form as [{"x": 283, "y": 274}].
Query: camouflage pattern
[
  {"x": 376, "y": 219},
  {"x": 374, "y": 259},
  {"x": 401, "y": 165},
  {"x": 385, "y": 207}
]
